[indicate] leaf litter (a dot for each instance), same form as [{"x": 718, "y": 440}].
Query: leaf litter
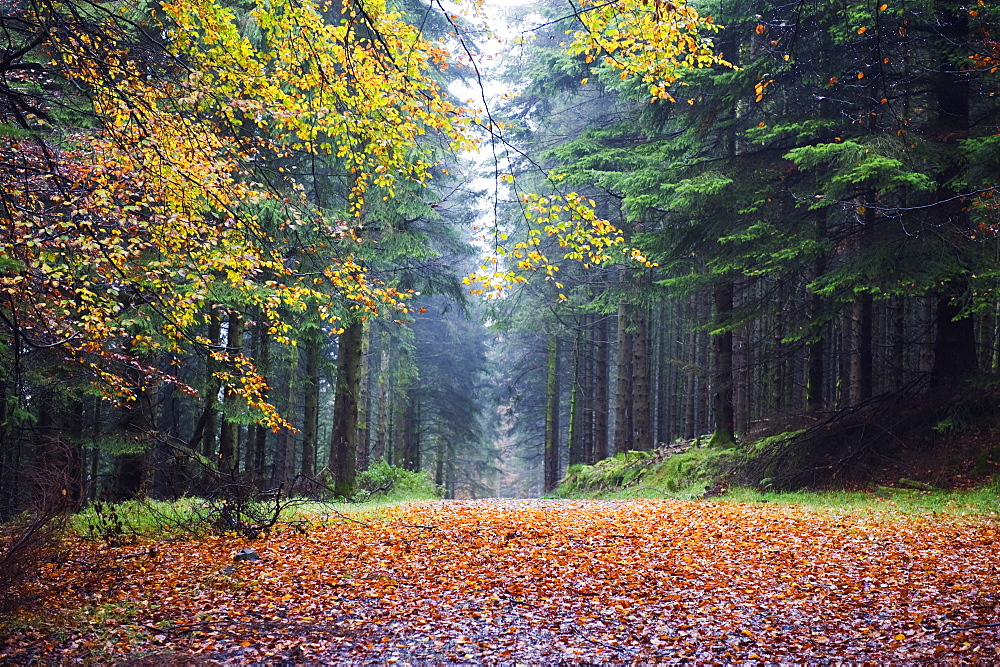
[{"x": 539, "y": 581}]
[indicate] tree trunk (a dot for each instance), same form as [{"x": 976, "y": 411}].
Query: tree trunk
[
  {"x": 587, "y": 390},
  {"x": 642, "y": 415},
  {"x": 722, "y": 381},
  {"x": 262, "y": 344},
  {"x": 602, "y": 380},
  {"x": 208, "y": 434},
  {"x": 576, "y": 452},
  {"x": 623, "y": 393},
  {"x": 385, "y": 407},
  {"x": 310, "y": 411},
  {"x": 409, "y": 456},
  {"x": 344, "y": 438},
  {"x": 552, "y": 415},
  {"x": 229, "y": 433},
  {"x": 861, "y": 358},
  {"x": 364, "y": 403},
  {"x": 816, "y": 346},
  {"x": 955, "y": 343},
  {"x": 131, "y": 468},
  {"x": 284, "y": 444}
]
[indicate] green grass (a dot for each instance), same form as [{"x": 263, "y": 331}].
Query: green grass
[
  {"x": 984, "y": 500},
  {"x": 686, "y": 476}
]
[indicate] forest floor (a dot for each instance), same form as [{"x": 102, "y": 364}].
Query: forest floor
[{"x": 537, "y": 582}]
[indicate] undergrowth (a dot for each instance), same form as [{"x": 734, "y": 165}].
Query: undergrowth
[
  {"x": 700, "y": 472},
  {"x": 978, "y": 501},
  {"x": 126, "y": 522},
  {"x": 387, "y": 483},
  {"x": 653, "y": 474}
]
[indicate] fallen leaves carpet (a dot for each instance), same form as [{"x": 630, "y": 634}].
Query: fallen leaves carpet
[{"x": 542, "y": 582}]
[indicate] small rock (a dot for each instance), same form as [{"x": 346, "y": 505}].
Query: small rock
[{"x": 246, "y": 554}]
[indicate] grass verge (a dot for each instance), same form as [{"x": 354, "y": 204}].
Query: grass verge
[{"x": 695, "y": 472}]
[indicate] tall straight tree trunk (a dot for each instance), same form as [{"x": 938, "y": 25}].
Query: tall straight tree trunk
[
  {"x": 722, "y": 381},
  {"x": 690, "y": 426},
  {"x": 344, "y": 438},
  {"x": 816, "y": 347},
  {"x": 602, "y": 381},
  {"x": 642, "y": 414},
  {"x": 862, "y": 358},
  {"x": 209, "y": 429},
  {"x": 284, "y": 444},
  {"x": 576, "y": 449},
  {"x": 310, "y": 411},
  {"x": 552, "y": 409},
  {"x": 131, "y": 469},
  {"x": 364, "y": 402},
  {"x": 587, "y": 390},
  {"x": 409, "y": 455},
  {"x": 262, "y": 347},
  {"x": 229, "y": 433},
  {"x": 955, "y": 343},
  {"x": 385, "y": 407},
  {"x": 623, "y": 393}
]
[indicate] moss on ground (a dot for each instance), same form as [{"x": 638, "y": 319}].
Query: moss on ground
[
  {"x": 647, "y": 474},
  {"x": 698, "y": 472}
]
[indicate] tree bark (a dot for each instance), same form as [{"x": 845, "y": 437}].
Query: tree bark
[
  {"x": 229, "y": 433},
  {"x": 573, "y": 440},
  {"x": 131, "y": 469},
  {"x": 722, "y": 382},
  {"x": 385, "y": 402},
  {"x": 642, "y": 415},
  {"x": 552, "y": 415},
  {"x": 262, "y": 344},
  {"x": 602, "y": 380},
  {"x": 955, "y": 342},
  {"x": 862, "y": 359},
  {"x": 310, "y": 410},
  {"x": 209, "y": 434},
  {"x": 344, "y": 437},
  {"x": 364, "y": 403},
  {"x": 623, "y": 393}
]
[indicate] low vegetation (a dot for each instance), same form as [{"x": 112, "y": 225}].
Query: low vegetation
[{"x": 691, "y": 470}]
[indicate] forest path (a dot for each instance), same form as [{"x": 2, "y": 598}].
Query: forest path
[{"x": 548, "y": 581}]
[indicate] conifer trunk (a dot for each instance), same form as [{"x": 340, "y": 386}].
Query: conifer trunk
[
  {"x": 383, "y": 428},
  {"x": 131, "y": 469},
  {"x": 955, "y": 342},
  {"x": 284, "y": 444},
  {"x": 209, "y": 433},
  {"x": 262, "y": 346},
  {"x": 602, "y": 380},
  {"x": 409, "y": 455},
  {"x": 229, "y": 433},
  {"x": 816, "y": 347},
  {"x": 642, "y": 416},
  {"x": 575, "y": 439},
  {"x": 623, "y": 393},
  {"x": 552, "y": 409},
  {"x": 364, "y": 402},
  {"x": 344, "y": 438},
  {"x": 310, "y": 410},
  {"x": 722, "y": 381}
]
